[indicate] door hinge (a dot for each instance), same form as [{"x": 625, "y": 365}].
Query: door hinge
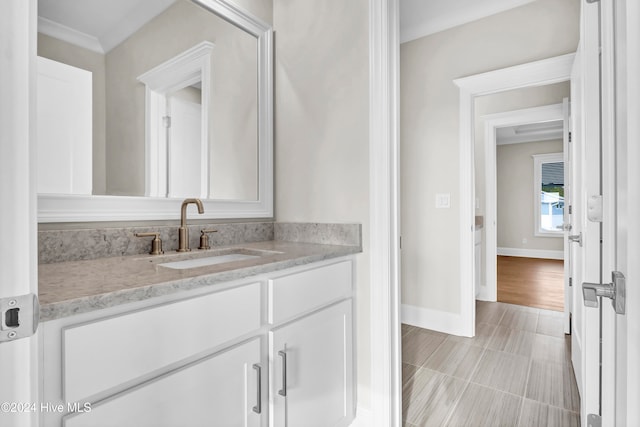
[
  {"x": 570, "y": 281},
  {"x": 19, "y": 317},
  {"x": 570, "y": 209},
  {"x": 594, "y": 420},
  {"x": 166, "y": 121},
  {"x": 570, "y": 137}
]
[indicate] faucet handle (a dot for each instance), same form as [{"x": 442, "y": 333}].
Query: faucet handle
[
  {"x": 204, "y": 239},
  {"x": 156, "y": 243}
]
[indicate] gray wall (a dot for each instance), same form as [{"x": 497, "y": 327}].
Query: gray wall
[
  {"x": 322, "y": 120},
  {"x": 430, "y": 131},
  {"x": 233, "y": 118},
  {"x": 510, "y": 100},
  {"x": 516, "y": 214}
]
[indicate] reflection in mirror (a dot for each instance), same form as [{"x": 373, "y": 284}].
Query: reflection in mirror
[{"x": 195, "y": 135}]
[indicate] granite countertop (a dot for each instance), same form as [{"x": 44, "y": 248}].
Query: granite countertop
[{"x": 74, "y": 287}]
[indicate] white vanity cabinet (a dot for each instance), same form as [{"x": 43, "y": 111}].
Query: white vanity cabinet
[
  {"x": 210, "y": 359},
  {"x": 311, "y": 356},
  {"x": 216, "y": 391},
  {"x": 312, "y": 375}
]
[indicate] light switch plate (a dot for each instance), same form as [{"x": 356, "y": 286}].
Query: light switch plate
[{"x": 443, "y": 200}]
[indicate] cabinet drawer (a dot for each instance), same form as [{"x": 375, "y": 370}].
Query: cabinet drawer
[
  {"x": 300, "y": 292},
  {"x": 217, "y": 391},
  {"x": 103, "y": 354}
]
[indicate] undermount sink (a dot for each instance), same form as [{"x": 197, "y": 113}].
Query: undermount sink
[
  {"x": 195, "y": 259},
  {"x": 203, "y": 262}
]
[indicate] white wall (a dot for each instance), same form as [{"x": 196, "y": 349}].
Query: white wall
[
  {"x": 516, "y": 210},
  {"x": 321, "y": 128},
  {"x": 429, "y": 131}
]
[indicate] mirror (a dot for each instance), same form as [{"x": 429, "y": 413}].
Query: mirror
[{"x": 181, "y": 96}]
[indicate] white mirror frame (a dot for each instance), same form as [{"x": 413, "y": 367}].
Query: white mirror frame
[{"x": 82, "y": 208}]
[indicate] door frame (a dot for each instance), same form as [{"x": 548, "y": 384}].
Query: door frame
[
  {"x": 384, "y": 218},
  {"x": 492, "y": 122},
  {"x": 545, "y": 113},
  {"x": 628, "y": 88},
  {"x": 19, "y": 261},
  {"x": 547, "y": 71}
]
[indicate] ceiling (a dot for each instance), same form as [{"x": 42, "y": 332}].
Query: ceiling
[
  {"x": 101, "y": 25},
  {"x": 419, "y": 18},
  {"x": 533, "y": 132},
  {"x": 98, "y": 25}
]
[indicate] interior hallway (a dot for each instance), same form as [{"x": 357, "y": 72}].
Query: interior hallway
[
  {"x": 532, "y": 282},
  {"x": 516, "y": 371}
]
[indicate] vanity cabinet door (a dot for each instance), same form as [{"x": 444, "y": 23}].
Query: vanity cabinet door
[
  {"x": 312, "y": 369},
  {"x": 219, "y": 390}
]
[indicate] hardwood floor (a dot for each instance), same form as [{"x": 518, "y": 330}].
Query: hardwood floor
[{"x": 531, "y": 282}]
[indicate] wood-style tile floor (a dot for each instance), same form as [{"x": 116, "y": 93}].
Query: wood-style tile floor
[
  {"x": 515, "y": 372},
  {"x": 531, "y": 281}
]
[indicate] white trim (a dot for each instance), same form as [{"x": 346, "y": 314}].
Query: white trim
[
  {"x": 491, "y": 123},
  {"x": 530, "y": 253},
  {"x": 189, "y": 67},
  {"x": 386, "y": 375},
  {"x": 69, "y": 35},
  {"x": 547, "y": 71},
  {"x": 71, "y": 208},
  {"x": 609, "y": 143},
  {"x": 441, "y": 321},
  {"x": 543, "y": 72},
  {"x": 631, "y": 53},
  {"x": 19, "y": 367},
  {"x": 631, "y": 87},
  {"x": 364, "y": 418}
]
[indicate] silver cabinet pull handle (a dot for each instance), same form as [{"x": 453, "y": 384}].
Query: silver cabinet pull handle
[
  {"x": 283, "y": 391},
  {"x": 258, "y": 408}
]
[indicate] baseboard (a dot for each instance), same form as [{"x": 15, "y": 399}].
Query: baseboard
[
  {"x": 441, "y": 321},
  {"x": 364, "y": 418},
  {"x": 531, "y": 253}
]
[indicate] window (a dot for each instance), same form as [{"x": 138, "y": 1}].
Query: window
[{"x": 548, "y": 190}]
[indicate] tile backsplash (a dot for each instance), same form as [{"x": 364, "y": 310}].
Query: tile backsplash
[
  {"x": 84, "y": 244},
  {"x": 92, "y": 243}
]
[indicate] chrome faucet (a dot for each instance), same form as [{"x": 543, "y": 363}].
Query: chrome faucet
[{"x": 183, "y": 231}]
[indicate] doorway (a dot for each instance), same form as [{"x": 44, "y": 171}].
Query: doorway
[{"x": 520, "y": 161}]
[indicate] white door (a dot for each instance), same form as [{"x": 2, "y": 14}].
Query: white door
[
  {"x": 18, "y": 259},
  {"x": 575, "y": 206},
  {"x": 568, "y": 184},
  {"x": 594, "y": 346},
  {"x": 311, "y": 374},
  {"x": 65, "y": 139},
  {"x": 186, "y": 175}
]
